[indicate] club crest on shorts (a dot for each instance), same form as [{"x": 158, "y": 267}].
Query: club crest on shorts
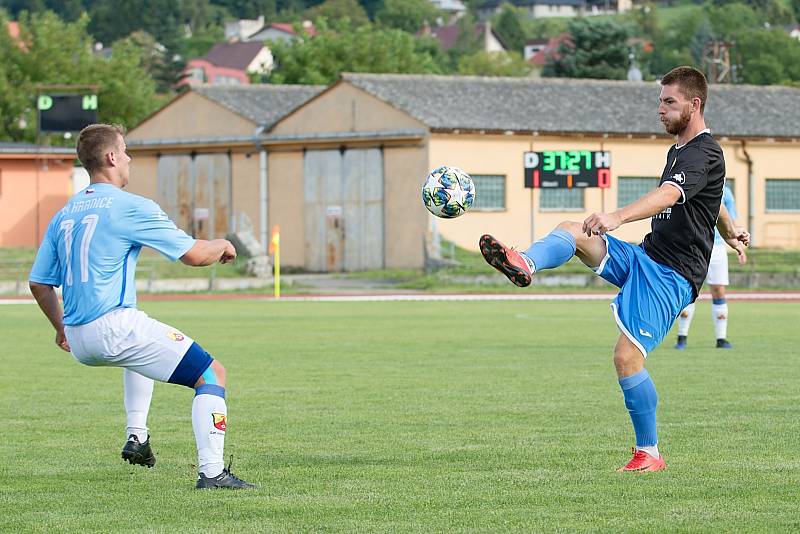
[
  {"x": 175, "y": 336},
  {"x": 220, "y": 421}
]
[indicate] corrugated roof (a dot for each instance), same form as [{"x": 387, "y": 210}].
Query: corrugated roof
[
  {"x": 261, "y": 103},
  {"x": 561, "y": 105}
]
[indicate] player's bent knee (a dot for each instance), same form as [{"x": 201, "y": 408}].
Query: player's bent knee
[
  {"x": 628, "y": 359},
  {"x": 190, "y": 369},
  {"x": 572, "y": 227},
  {"x": 219, "y": 372}
]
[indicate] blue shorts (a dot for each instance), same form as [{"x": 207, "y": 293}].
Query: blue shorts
[{"x": 651, "y": 295}]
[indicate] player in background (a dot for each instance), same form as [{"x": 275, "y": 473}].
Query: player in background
[
  {"x": 717, "y": 280},
  {"x": 662, "y": 275},
  {"x": 90, "y": 250}
]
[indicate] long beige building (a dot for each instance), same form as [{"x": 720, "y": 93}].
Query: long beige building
[{"x": 340, "y": 168}]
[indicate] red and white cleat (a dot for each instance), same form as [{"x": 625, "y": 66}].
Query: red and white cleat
[{"x": 642, "y": 461}]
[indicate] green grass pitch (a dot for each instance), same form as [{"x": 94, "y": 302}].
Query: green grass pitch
[{"x": 412, "y": 416}]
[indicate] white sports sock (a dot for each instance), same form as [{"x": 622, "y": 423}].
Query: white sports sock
[
  {"x": 138, "y": 392},
  {"x": 652, "y": 450},
  {"x": 528, "y": 262},
  {"x": 685, "y": 320},
  {"x": 209, "y": 420},
  {"x": 719, "y": 314}
]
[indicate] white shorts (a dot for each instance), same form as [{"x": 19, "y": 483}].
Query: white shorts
[
  {"x": 718, "y": 268},
  {"x": 127, "y": 337}
]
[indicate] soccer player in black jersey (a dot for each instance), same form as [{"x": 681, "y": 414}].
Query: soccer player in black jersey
[{"x": 660, "y": 276}]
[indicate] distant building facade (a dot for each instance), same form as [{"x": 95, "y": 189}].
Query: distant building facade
[
  {"x": 556, "y": 8},
  {"x": 340, "y": 168},
  {"x": 35, "y": 182}
]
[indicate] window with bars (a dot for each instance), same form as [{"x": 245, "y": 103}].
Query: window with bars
[
  {"x": 783, "y": 194},
  {"x": 490, "y": 192},
  {"x": 561, "y": 199},
  {"x": 631, "y": 188}
]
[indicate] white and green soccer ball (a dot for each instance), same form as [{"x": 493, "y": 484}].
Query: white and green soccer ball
[{"x": 448, "y": 192}]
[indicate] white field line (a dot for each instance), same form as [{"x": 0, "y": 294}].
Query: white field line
[
  {"x": 512, "y": 297},
  {"x": 776, "y": 296}
]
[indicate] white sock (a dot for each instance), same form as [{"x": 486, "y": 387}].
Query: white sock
[
  {"x": 138, "y": 392},
  {"x": 209, "y": 420},
  {"x": 528, "y": 262},
  {"x": 652, "y": 450},
  {"x": 719, "y": 314},
  {"x": 685, "y": 320}
]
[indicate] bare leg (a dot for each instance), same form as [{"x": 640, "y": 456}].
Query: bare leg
[{"x": 590, "y": 250}]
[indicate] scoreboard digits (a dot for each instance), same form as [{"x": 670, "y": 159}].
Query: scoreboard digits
[{"x": 567, "y": 169}]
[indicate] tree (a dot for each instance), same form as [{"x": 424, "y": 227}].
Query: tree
[
  {"x": 508, "y": 27},
  {"x": 728, "y": 21},
  {"x": 112, "y": 20},
  {"x": 779, "y": 13},
  {"x": 70, "y": 10},
  {"x": 700, "y": 41},
  {"x": 249, "y": 9},
  {"x": 58, "y": 52},
  {"x": 595, "y": 50},
  {"x": 769, "y": 57},
  {"x": 494, "y": 64},
  {"x": 406, "y": 15},
  {"x": 342, "y": 11},
  {"x": 671, "y": 47},
  {"x": 544, "y": 28},
  {"x": 645, "y": 17},
  {"x": 321, "y": 58}
]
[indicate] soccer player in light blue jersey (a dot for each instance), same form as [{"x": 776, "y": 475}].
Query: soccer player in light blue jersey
[
  {"x": 717, "y": 279},
  {"x": 90, "y": 251}
]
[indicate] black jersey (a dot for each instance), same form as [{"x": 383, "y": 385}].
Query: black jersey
[{"x": 682, "y": 236}]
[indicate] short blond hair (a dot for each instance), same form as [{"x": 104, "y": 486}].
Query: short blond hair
[{"x": 94, "y": 141}]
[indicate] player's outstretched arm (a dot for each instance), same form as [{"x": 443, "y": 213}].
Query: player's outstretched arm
[
  {"x": 48, "y": 301},
  {"x": 653, "y": 202},
  {"x": 735, "y": 236},
  {"x": 207, "y": 252}
]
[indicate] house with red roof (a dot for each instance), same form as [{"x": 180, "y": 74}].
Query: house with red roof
[
  {"x": 448, "y": 36},
  {"x": 257, "y": 30},
  {"x": 228, "y": 64},
  {"x": 281, "y": 31}
]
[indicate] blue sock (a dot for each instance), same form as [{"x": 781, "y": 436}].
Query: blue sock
[
  {"x": 718, "y": 301},
  {"x": 641, "y": 400},
  {"x": 554, "y": 249}
]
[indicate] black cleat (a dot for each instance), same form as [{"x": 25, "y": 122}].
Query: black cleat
[
  {"x": 138, "y": 453},
  {"x": 226, "y": 479},
  {"x": 724, "y": 344}
]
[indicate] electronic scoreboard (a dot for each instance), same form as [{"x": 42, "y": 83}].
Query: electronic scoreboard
[
  {"x": 567, "y": 169},
  {"x": 66, "y": 113}
]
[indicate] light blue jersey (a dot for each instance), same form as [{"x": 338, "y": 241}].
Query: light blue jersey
[
  {"x": 730, "y": 205},
  {"x": 92, "y": 245}
]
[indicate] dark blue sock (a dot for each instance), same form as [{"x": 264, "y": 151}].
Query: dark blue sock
[
  {"x": 554, "y": 249},
  {"x": 641, "y": 401}
]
